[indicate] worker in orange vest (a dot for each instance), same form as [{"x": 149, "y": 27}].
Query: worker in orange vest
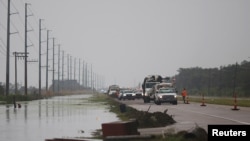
[{"x": 184, "y": 95}]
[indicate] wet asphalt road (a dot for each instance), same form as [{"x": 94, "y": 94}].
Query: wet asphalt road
[{"x": 188, "y": 116}]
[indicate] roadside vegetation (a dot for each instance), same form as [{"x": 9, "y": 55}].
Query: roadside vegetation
[
  {"x": 11, "y": 98},
  {"x": 229, "y": 101},
  {"x": 224, "y": 81}
]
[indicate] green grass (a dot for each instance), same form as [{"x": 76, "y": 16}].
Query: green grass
[
  {"x": 243, "y": 102},
  {"x": 11, "y": 98}
]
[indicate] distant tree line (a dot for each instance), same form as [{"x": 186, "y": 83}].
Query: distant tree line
[{"x": 223, "y": 81}]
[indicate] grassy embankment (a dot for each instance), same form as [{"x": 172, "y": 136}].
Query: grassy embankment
[{"x": 230, "y": 101}]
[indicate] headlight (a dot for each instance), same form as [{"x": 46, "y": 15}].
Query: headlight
[{"x": 160, "y": 96}]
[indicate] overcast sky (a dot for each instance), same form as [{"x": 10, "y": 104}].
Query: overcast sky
[{"x": 125, "y": 40}]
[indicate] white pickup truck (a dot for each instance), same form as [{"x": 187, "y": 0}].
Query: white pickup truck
[{"x": 165, "y": 93}]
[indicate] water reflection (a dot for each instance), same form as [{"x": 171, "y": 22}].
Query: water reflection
[
  {"x": 65, "y": 116},
  {"x": 39, "y": 109},
  {"x": 25, "y": 111},
  {"x": 7, "y": 113}
]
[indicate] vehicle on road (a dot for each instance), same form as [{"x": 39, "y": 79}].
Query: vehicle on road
[
  {"x": 156, "y": 87},
  {"x": 126, "y": 94},
  {"x": 166, "y": 95},
  {"x": 138, "y": 94},
  {"x": 113, "y": 90},
  {"x": 148, "y": 84}
]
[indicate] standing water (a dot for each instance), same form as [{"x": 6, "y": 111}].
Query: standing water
[{"x": 59, "y": 117}]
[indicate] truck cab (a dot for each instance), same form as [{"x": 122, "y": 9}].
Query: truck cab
[
  {"x": 147, "y": 86},
  {"x": 149, "y": 93},
  {"x": 166, "y": 95}
]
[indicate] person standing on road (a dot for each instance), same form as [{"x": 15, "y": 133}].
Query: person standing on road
[{"x": 184, "y": 95}]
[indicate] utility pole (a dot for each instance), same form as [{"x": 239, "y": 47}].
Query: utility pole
[
  {"x": 40, "y": 65},
  {"x": 68, "y": 65},
  {"x": 75, "y": 69},
  {"x": 53, "y": 66},
  {"x": 62, "y": 70},
  {"x": 17, "y": 55},
  {"x": 67, "y": 87},
  {"x": 26, "y": 53},
  {"x": 91, "y": 78},
  {"x": 8, "y": 52},
  {"x": 58, "y": 85},
  {"x": 83, "y": 74},
  {"x": 79, "y": 72},
  {"x": 86, "y": 75},
  {"x": 15, "y": 72},
  {"x": 75, "y": 73},
  {"x": 25, "y": 50},
  {"x": 71, "y": 86},
  {"x": 47, "y": 61}
]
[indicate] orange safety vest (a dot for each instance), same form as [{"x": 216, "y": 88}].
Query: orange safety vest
[{"x": 184, "y": 93}]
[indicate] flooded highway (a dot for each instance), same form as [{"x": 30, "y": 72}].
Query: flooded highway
[{"x": 57, "y": 117}]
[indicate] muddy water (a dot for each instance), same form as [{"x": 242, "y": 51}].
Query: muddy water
[{"x": 64, "y": 116}]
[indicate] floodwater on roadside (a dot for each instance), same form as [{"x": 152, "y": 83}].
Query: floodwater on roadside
[{"x": 57, "y": 117}]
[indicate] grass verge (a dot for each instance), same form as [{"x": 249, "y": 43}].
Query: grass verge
[{"x": 229, "y": 101}]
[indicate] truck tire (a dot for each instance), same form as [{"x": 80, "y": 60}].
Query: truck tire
[{"x": 157, "y": 102}]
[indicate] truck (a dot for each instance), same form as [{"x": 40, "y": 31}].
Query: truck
[
  {"x": 147, "y": 87},
  {"x": 113, "y": 90},
  {"x": 164, "y": 92}
]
